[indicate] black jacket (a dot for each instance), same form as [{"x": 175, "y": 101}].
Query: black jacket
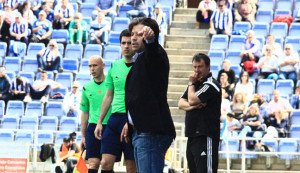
[
  {"x": 146, "y": 92},
  {"x": 4, "y": 31}
]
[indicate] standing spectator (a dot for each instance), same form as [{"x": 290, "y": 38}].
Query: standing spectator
[
  {"x": 19, "y": 29},
  {"x": 42, "y": 29},
  {"x": 77, "y": 30},
  {"x": 145, "y": 109},
  {"x": 63, "y": 15},
  {"x": 288, "y": 64},
  {"x": 277, "y": 50},
  {"x": 229, "y": 88},
  {"x": 4, "y": 29},
  {"x": 221, "y": 20},
  {"x": 202, "y": 103},
  {"x": 5, "y": 84},
  {"x": 27, "y": 14},
  {"x": 71, "y": 103},
  {"x": 245, "y": 86},
  {"x": 205, "y": 11},
  {"x": 239, "y": 105},
  {"x": 49, "y": 12},
  {"x": 140, "y": 8},
  {"x": 9, "y": 14},
  {"x": 268, "y": 65},
  {"x": 98, "y": 29},
  {"x": 107, "y": 7},
  {"x": 226, "y": 69},
  {"x": 19, "y": 88},
  {"x": 251, "y": 49},
  {"x": 244, "y": 10}
]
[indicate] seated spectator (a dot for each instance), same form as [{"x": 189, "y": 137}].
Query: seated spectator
[
  {"x": 19, "y": 88},
  {"x": 5, "y": 84},
  {"x": 251, "y": 48},
  {"x": 295, "y": 101},
  {"x": 277, "y": 50},
  {"x": 268, "y": 65},
  {"x": 231, "y": 127},
  {"x": 19, "y": 29},
  {"x": 98, "y": 29},
  {"x": 9, "y": 14},
  {"x": 279, "y": 103},
  {"x": 77, "y": 29},
  {"x": 71, "y": 101},
  {"x": 42, "y": 29},
  {"x": 239, "y": 105},
  {"x": 225, "y": 106},
  {"x": 278, "y": 126},
  {"x": 27, "y": 14},
  {"x": 107, "y": 7},
  {"x": 42, "y": 87},
  {"x": 12, "y": 4},
  {"x": 4, "y": 29},
  {"x": 263, "y": 106},
  {"x": 244, "y": 10},
  {"x": 221, "y": 20},
  {"x": 229, "y": 88},
  {"x": 159, "y": 17},
  {"x": 49, "y": 12},
  {"x": 52, "y": 3},
  {"x": 35, "y": 7},
  {"x": 288, "y": 64},
  {"x": 63, "y": 15},
  {"x": 49, "y": 59},
  {"x": 245, "y": 86},
  {"x": 226, "y": 69},
  {"x": 229, "y": 5},
  {"x": 140, "y": 8},
  {"x": 205, "y": 11}
]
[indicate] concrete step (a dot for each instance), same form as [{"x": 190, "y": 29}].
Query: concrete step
[
  {"x": 181, "y": 66},
  {"x": 178, "y": 81},
  {"x": 177, "y": 111},
  {"x": 186, "y": 11},
  {"x": 174, "y": 95},
  {"x": 180, "y": 58},
  {"x": 180, "y": 74},
  {"x": 177, "y": 88},
  {"x": 178, "y": 118},
  {"x": 183, "y": 24},
  {"x": 173, "y": 102},
  {"x": 187, "y": 38},
  {"x": 185, "y": 30},
  {"x": 185, "y": 17},
  {"x": 186, "y": 45},
  {"x": 184, "y": 52}
]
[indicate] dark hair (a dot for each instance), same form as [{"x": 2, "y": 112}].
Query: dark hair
[
  {"x": 66, "y": 139},
  {"x": 22, "y": 7},
  {"x": 72, "y": 136},
  {"x": 201, "y": 56},
  {"x": 43, "y": 72},
  {"x": 124, "y": 33},
  {"x": 19, "y": 80},
  {"x": 44, "y": 3},
  {"x": 229, "y": 114},
  {"x": 243, "y": 74},
  {"x": 146, "y": 21}
]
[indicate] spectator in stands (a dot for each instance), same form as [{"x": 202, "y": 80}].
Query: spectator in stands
[
  {"x": 239, "y": 105},
  {"x": 42, "y": 29},
  {"x": 278, "y": 126},
  {"x": 245, "y": 86},
  {"x": 52, "y": 3},
  {"x": 279, "y": 103},
  {"x": 268, "y": 65},
  {"x": 229, "y": 88},
  {"x": 140, "y": 8},
  {"x": 226, "y": 69},
  {"x": 71, "y": 103},
  {"x": 27, "y": 13},
  {"x": 225, "y": 106},
  {"x": 262, "y": 104},
  {"x": 63, "y": 15},
  {"x": 251, "y": 49},
  {"x": 244, "y": 10},
  {"x": 77, "y": 29},
  {"x": 221, "y": 20},
  {"x": 277, "y": 50},
  {"x": 42, "y": 87},
  {"x": 9, "y": 14},
  {"x": 5, "y": 84},
  {"x": 49, "y": 59},
  {"x": 295, "y": 101},
  {"x": 98, "y": 29},
  {"x": 205, "y": 10},
  {"x": 232, "y": 126},
  {"x": 13, "y": 4},
  {"x": 288, "y": 64},
  {"x": 159, "y": 17},
  {"x": 35, "y": 6},
  {"x": 107, "y": 7},
  {"x": 4, "y": 29},
  {"x": 19, "y": 29},
  {"x": 49, "y": 12},
  {"x": 19, "y": 88}
]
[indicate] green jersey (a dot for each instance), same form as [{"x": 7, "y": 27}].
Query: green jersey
[
  {"x": 91, "y": 101},
  {"x": 115, "y": 80}
]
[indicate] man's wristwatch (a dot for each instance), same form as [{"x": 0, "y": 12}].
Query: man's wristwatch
[{"x": 190, "y": 84}]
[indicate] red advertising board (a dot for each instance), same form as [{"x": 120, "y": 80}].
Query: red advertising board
[{"x": 13, "y": 165}]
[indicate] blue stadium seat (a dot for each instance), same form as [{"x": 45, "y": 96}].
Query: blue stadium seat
[
  {"x": 13, "y": 64},
  {"x": 284, "y": 4},
  {"x": 22, "y": 136},
  {"x": 108, "y": 63},
  {"x": 120, "y": 23},
  {"x": 29, "y": 122},
  {"x": 216, "y": 56},
  {"x": 234, "y": 57},
  {"x": 219, "y": 42},
  {"x": 296, "y": 5},
  {"x": 83, "y": 78},
  {"x": 10, "y": 122},
  {"x": 49, "y": 123},
  {"x": 266, "y": 4},
  {"x": 2, "y": 107},
  {"x": 65, "y": 79},
  {"x": 264, "y": 16},
  {"x": 29, "y": 65},
  {"x": 112, "y": 52},
  {"x": 78, "y": 138},
  {"x": 295, "y": 14},
  {"x": 22, "y": 47},
  {"x": 279, "y": 29},
  {"x": 266, "y": 86},
  {"x": 109, "y": 20},
  {"x": 28, "y": 75},
  {"x": 59, "y": 138},
  {"x": 74, "y": 51},
  {"x": 262, "y": 41},
  {"x": 70, "y": 65},
  {"x": 60, "y": 35},
  {"x": 280, "y": 41},
  {"x": 91, "y": 1},
  {"x": 68, "y": 124},
  {"x": 34, "y": 108},
  {"x": 244, "y": 26},
  {"x": 86, "y": 9},
  {"x": 122, "y": 11},
  {"x": 295, "y": 130},
  {"x": 295, "y": 118},
  {"x": 44, "y": 137},
  {"x": 15, "y": 107},
  {"x": 214, "y": 68},
  {"x": 11, "y": 74},
  {"x": 49, "y": 74},
  {"x": 54, "y": 109},
  {"x": 84, "y": 66},
  {"x": 62, "y": 90},
  {"x": 261, "y": 29},
  {"x": 7, "y": 136},
  {"x": 88, "y": 21},
  {"x": 282, "y": 12},
  {"x": 168, "y": 13},
  {"x": 34, "y": 49},
  {"x": 287, "y": 145},
  {"x": 233, "y": 145},
  {"x": 237, "y": 69},
  {"x": 169, "y": 3},
  {"x": 294, "y": 29},
  {"x": 286, "y": 87},
  {"x": 92, "y": 49},
  {"x": 236, "y": 42},
  {"x": 75, "y": 7},
  {"x": 114, "y": 38},
  {"x": 61, "y": 49},
  {"x": 294, "y": 41},
  {"x": 3, "y": 49}
]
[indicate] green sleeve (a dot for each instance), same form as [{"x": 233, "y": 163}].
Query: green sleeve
[
  {"x": 71, "y": 24},
  {"x": 109, "y": 81},
  {"x": 84, "y": 105}
]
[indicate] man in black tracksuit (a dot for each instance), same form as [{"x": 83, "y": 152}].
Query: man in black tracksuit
[{"x": 202, "y": 103}]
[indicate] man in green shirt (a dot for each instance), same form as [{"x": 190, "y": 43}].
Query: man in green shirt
[
  {"x": 112, "y": 147},
  {"x": 92, "y": 96}
]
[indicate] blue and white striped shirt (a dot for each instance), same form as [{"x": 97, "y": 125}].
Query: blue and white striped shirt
[
  {"x": 49, "y": 55},
  {"x": 21, "y": 87},
  {"x": 12, "y": 3},
  {"x": 67, "y": 13},
  {"x": 221, "y": 19},
  {"x": 18, "y": 28}
]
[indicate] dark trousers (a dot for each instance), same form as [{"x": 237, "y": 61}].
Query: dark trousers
[
  {"x": 200, "y": 17},
  {"x": 5, "y": 97},
  {"x": 55, "y": 65},
  {"x": 35, "y": 94},
  {"x": 60, "y": 25},
  {"x": 23, "y": 39},
  {"x": 202, "y": 154},
  {"x": 17, "y": 97}
]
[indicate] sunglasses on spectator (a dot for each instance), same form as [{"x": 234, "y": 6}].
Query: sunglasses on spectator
[
  {"x": 51, "y": 45},
  {"x": 287, "y": 48}
]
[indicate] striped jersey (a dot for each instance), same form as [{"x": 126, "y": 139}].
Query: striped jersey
[{"x": 221, "y": 18}]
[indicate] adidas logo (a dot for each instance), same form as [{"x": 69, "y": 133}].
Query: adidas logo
[{"x": 203, "y": 153}]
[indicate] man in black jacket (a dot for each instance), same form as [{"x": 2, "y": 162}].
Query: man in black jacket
[
  {"x": 146, "y": 86},
  {"x": 4, "y": 29}
]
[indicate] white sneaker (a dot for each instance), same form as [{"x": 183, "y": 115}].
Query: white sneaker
[
  {"x": 44, "y": 99},
  {"x": 27, "y": 99}
]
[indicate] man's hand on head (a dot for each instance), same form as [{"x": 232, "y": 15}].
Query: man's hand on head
[{"x": 147, "y": 33}]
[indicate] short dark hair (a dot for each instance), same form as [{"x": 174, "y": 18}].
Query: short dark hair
[
  {"x": 19, "y": 80},
  {"x": 124, "y": 33},
  {"x": 66, "y": 139},
  {"x": 201, "y": 56},
  {"x": 230, "y": 114},
  {"x": 2, "y": 66},
  {"x": 43, "y": 72},
  {"x": 146, "y": 21}
]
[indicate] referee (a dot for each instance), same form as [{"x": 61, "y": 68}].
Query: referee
[
  {"x": 92, "y": 95},
  {"x": 202, "y": 103}
]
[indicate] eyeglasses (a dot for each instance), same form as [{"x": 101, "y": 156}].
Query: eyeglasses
[
  {"x": 221, "y": 5},
  {"x": 287, "y": 48},
  {"x": 51, "y": 45},
  {"x": 268, "y": 49}
]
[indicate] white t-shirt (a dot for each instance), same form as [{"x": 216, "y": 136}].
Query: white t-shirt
[
  {"x": 40, "y": 83},
  {"x": 212, "y": 4},
  {"x": 246, "y": 89},
  {"x": 288, "y": 68},
  {"x": 277, "y": 49}
]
